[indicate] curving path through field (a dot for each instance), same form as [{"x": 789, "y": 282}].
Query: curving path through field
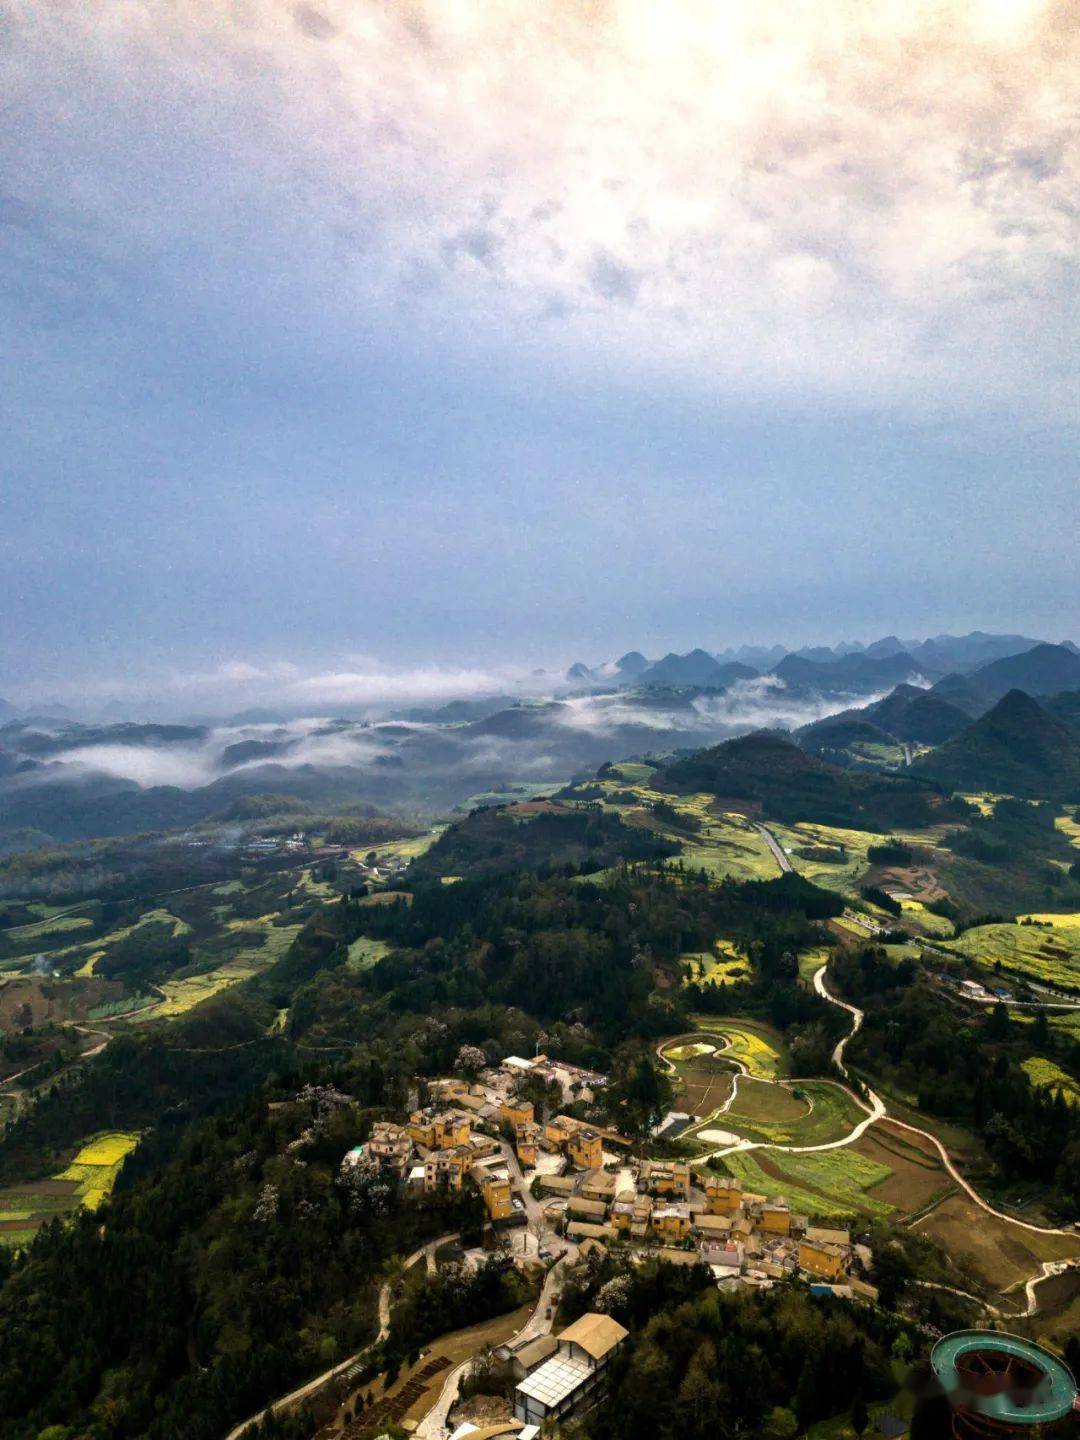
[{"x": 877, "y": 1110}]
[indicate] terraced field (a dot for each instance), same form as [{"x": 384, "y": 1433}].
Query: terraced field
[
  {"x": 825, "y": 1113},
  {"x": 835, "y": 1185},
  {"x": 760, "y": 1049},
  {"x": 1050, "y": 954},
  {"x": 722, "y": 843},
  {"x": 87, "y": 1182}
]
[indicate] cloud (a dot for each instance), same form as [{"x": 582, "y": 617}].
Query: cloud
[{"x": 871, "y": 198}]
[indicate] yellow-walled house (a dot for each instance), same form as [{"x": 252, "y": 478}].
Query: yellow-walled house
[
  {"x": 723, "y": 1194},
  {"x": 440, "y": 1129},
  {"x": 671, "y": 1222},
  {"x": 821, "y": 1258},
  {"x": 776, "y": 1218},
  {"x": 586, "y": 1150},
  {"x": 516, "y": 1112},
  {"x": 497, "y": 1196}
]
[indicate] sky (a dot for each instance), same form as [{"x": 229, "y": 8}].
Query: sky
[{"x": 404, "y": 339}]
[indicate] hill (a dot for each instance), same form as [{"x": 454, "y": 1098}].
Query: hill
[
  {"x": 917, "y": 716},
  {"x": 843, "y": 732},
  {"x": 791, "y": 785},
  {"x": 538, "y": 836},
  {"x": 1042, "y": 670},
  {"x": 1016, "y": 748}
]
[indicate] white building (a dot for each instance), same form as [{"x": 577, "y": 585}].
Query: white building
[{"x": 575, "y": 1372}]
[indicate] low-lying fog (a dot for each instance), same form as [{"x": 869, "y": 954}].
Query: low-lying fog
[{"x": 432, "y": 757}]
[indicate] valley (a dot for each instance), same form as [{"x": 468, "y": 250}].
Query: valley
[{"x": 836, "y": 977}]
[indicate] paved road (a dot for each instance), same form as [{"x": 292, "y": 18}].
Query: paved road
[
  {"x": 774, "y": 845},
  {"x": 434, "y": 1425}
]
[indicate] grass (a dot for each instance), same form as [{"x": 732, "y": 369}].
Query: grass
[
  {"x": 1050, "y": 955},
  {"x": 364, "y": 953},
  {"x": 830, "y": 1114},
  {"x": 927, "y": 921},
  {"x": 1069, "y": 826},
  {"x": 407, "y": 849},
  {"x": 1045, "y": 1075},
  {"x": 633, "y": 772},
  {"x": 811, "y": 961},
  {"x": 760, "y": 1050}
]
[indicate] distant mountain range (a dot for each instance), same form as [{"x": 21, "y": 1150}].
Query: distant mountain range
[
  {"x": 949, "y": 662},
  {"x": 861, "y": 708}
]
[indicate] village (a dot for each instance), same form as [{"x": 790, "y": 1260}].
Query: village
[
  {"x": 559, "y": 1188},
  {"x": 590, "y": 1187}
]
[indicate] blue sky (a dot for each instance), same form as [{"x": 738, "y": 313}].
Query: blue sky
[{"x": 356, "y": 336}]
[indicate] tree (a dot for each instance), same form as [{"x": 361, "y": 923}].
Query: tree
[
  {"x": 997, "y": 1027},
  {"x": 860, "y": 1416},
  {"x": 470, "y": 1061}
]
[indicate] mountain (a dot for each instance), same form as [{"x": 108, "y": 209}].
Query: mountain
[
  {"x": 630, "y": 665},
  {"x": 883, "y": 649},
  {"x": 1041, "y": 670},
  {"x": 697, "y": 668},
  {"x": 917, "y": 716},
  {"x": 1064, "y": 707},
  {"x": 1016, "y": 748},
  {"x": 762, "y": 657},
  {"x": 7, "y": 710},
  {"x": 962, "y": 692},
  {"x": 791, "y": 785},
  {"x": 855, "y": 674},
  {"x": 964, "y": 653},
  {"x": 579, "y": 671}
]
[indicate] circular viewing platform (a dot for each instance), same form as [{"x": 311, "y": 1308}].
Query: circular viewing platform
[{"x": 998, "y": 1382}]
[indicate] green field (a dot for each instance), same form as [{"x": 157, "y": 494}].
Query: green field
[
  {"x": 827, "y": 1114},
  {"x": 726, "y": 962},
  {"x": 1050, "y": 954},
  {"x": 364, "y": 953},
  {"x": 1045, "y": 1075},
  {"x": 722, "y": 843},
  {"x": 832, "y": 1185},
  {"x": 87, "y": 1182}
]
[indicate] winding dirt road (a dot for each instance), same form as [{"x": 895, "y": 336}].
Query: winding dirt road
[
  {"x": 877, "y": 1110},
  {"x": 297, "y": 1396}
]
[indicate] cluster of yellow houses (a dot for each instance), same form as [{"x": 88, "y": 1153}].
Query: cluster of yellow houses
[
  {"x": 438, "y": 1148},
  {"x": 734, "y": 1230},
  {"x": 688, "y": 1214}
]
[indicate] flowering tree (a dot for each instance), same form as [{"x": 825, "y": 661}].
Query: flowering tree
[{"x": 470, "y": 1061}]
